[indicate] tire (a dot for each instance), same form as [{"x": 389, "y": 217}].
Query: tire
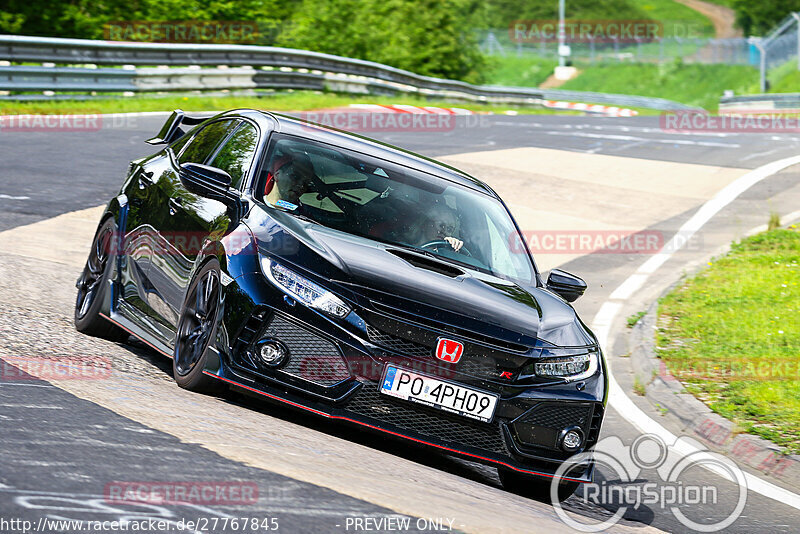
[
  {"x": 534, "y": 487},
  {"x": 93, "y": 286},
  {"x": 196, "y": 330}
]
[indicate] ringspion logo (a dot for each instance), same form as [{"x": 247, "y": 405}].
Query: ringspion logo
[{"x": 685, "y": 484}]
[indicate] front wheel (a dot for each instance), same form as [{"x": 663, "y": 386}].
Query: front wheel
[
  {"x": 535, "y": 487},
  {"x": 196, "y": 331},
  {"x": 93, "y": 286}
]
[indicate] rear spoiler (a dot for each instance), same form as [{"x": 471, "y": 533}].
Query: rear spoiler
[{"x": 172, "y": 131}]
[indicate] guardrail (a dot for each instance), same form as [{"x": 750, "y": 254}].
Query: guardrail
[
  {"x": 150, "y": 67},
  {"x": 776, "y": 102}
]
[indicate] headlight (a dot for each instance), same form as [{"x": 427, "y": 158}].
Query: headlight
[
  {"x": 568, "y": 367},
  {"x": 303, "y": 289}
]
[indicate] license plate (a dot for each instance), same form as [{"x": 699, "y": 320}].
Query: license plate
[{"x": 453, "y": 398}]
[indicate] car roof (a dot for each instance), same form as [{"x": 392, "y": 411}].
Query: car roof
[{"x": 358, "y": 143}]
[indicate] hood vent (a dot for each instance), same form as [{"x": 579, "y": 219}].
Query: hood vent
[{"x": 424, "y": 262}]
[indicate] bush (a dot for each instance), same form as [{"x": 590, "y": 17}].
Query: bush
[{"x": 427, "y": 37}]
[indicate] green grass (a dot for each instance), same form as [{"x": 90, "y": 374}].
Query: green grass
[
  {"x": 732, "y": 335},
  {"x": 294, "y": 101},
  {"x": 694, "y": 84},
  {"x": 526, "y": 71},
  {"x": 635, "y": 318},
  {"x": 785, "y": 79},
  {"x": 638, "y": 387},
  {"x": 678, "y": 20}
]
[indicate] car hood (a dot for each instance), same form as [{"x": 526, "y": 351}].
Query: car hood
[{"x": 492, "y": 306}]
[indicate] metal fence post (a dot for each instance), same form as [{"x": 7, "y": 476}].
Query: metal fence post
[
  {"x": 797, "y": 20},
  {"x": 762, "y": 70}
]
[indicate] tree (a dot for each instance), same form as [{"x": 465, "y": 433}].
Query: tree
[
  {"x": 758, "y": 18},
  {"x": 426, "y": 36}
]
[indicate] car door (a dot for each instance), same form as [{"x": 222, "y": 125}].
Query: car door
[
  {"x": 188, "y": 219},
  {"x": 139, "y": 239}
]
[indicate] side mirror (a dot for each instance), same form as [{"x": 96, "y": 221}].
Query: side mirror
[
  {"x": 211, "y": 182},
  {"x": 565, "y": 284}
]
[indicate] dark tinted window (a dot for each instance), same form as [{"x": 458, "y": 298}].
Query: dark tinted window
[
  {"x": 206, "y": 141},
  {"x": 377, "y": 199},
  {"x": 178, "y": 145},
  {"x": 237, "y": 154}
]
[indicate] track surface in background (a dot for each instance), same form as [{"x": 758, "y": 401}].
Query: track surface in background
[{"x": 62, "y": 442}]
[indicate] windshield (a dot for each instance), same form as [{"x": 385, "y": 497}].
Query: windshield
[{"x": 373, "y": 198}]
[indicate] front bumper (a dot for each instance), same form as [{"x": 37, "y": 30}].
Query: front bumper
[{"x": 335, "y": 375}]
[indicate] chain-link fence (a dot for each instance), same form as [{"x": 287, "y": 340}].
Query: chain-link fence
[
  {"x": 781, "y": 45},
  {"x": 778, "y": 47},
  {"x": 737, "y": 51}
]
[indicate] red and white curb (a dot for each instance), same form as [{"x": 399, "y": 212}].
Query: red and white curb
[
  {"x": 612, "y": 111},
  {"x": 416, "y": 110}
]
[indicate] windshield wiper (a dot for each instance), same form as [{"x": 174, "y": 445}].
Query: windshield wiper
[
  {"x": 437, "y": 257},
  {"x": 296, "y": 214},
  {"x": 415, "y": 249}
]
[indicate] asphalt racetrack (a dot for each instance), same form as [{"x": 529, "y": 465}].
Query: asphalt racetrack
[{"x": 63, "y": 443}]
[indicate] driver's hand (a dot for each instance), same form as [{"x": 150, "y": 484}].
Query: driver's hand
[{"x": 455, "y": 243}]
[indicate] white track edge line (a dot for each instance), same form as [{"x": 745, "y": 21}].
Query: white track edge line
[{"x": 608, "y": 311}]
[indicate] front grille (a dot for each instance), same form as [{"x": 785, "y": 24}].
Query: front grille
[
  {"x": 556, "y": 415},
  {"x": 402, "y": 316},
  {"x": 397, "y": 344},
  {"x": 427, "y": 423},
  {"x": 541, "y": 426},
  {"x": 472, "y": 364},
  {"x": 477, "y": 366},
  {"x": 311, "y": 357}
]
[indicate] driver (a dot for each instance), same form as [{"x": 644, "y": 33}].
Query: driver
[
  {"x": 289, "y": 178},
  {"x": 440, "y": 224}
]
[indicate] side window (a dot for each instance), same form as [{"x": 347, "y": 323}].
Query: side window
[
  {"x": 178, "y": 145},
  {"x": 206, "y": 140},
  {"x": 236, "y": 156}
]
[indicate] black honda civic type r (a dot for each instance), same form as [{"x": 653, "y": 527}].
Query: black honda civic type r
[{"x": 353, "y": 280}]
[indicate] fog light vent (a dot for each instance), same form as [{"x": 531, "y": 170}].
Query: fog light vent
[
  {"x": 271, "y": 353},
  {"x": 571, "y": 439}
]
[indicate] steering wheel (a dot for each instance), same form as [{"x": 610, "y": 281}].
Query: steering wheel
[{"x": 434, "y": 245}]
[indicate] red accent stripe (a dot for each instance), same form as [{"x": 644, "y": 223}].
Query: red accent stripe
[
  {"x": 340, "y": 417},
  {"x": 137, "y": 336},
  {"x": 329, "y": 416}
]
